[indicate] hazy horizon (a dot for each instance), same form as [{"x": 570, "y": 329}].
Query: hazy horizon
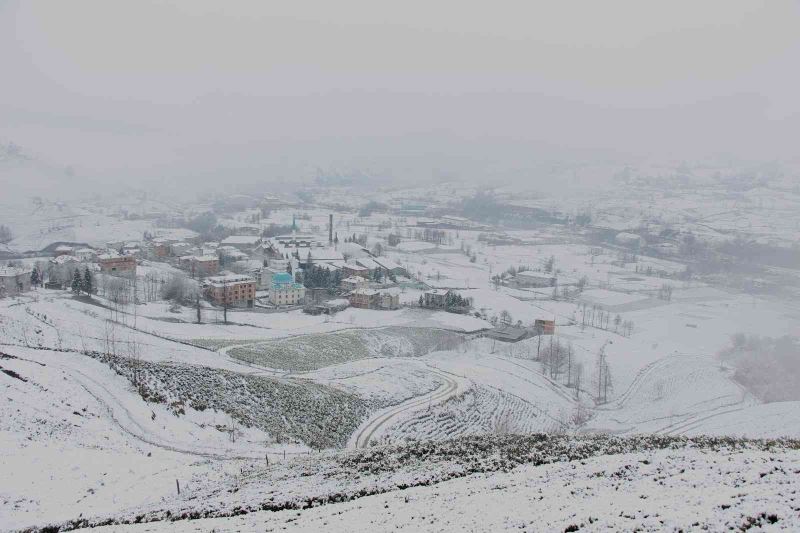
[{"x": 194, "y": 93}]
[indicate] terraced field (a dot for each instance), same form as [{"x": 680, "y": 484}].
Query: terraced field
[
  {"x": 290, "y": 410},
  {"x": 311, "y": 352},
  {"x": 478, "y": 411},
  {"x": 218, "y": 344}
]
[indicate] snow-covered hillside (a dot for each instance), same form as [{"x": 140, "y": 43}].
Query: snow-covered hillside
[{"x": 535, "y": 483}]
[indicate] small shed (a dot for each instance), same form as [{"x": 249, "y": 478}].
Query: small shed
[{"x": 508, "y": 334}]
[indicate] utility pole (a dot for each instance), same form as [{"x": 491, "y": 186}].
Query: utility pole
[
  {"x": 134, "y": 296},
  {"x": 197, "y": 303},
  {"x": 225, "y": 301}
]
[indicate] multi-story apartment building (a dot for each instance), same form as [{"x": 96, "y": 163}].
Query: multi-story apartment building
[
  {"x": 118, "y": 265},
  {"x": 232, "y": 290}
]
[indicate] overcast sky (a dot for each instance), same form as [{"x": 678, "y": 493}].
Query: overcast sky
[{"x": 255, "y": 90}]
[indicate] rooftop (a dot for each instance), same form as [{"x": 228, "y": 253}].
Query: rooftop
[
  {"x": 507, "y": 333},
  {"x": 366, "y": 262},
  {"x": 61, "y": 259},
  {"x": 283, "y": 279},
  {"x": 242, "y": 239},
  {"x": 230, "y": 279},
  {"x": 537, "y": 275},
  {"x": 110, "y": 256},
  {"x": 366, "y": 292},
  {"x": 387, "y": 263},
  {"x": 437, "y": 291}
]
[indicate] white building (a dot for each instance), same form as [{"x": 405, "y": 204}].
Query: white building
[
  {"x": 284, "y": 290},
  {"x": 265, "y": 279},
  {"x": 14, "y": 280},
  {"x": 86, "y": 254},
  {"x": 353, "y": 283}
]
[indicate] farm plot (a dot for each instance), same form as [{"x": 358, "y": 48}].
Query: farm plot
[
  {"x": 478, "y": 411},
  {"x": 311, "y": 352},
  {"x": 288, "y": 410},
  {"x": 219, "y": 344},
  {"x": 382, "y": 382},
  {"x": 671, "y": 392}
]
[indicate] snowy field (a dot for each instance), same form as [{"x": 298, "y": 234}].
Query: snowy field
[
  {"x": 661, "y": 491},
  {"x": 108, "y": 405},
  {"x": 479, "y": 483}
]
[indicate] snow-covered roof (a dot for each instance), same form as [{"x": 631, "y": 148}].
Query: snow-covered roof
[
  {"x": 353, "y": 266},
  {"x": 366, "y": 262},
  {"x": 108, "y": 256},
  {"x": 387, "y": 263},
  {"x": 62, "y": 259},
  {"x": 534, "y": 275},
  {"x": 199, "y": 258},
  {"x": 327, "y": 266},
  {"x": 294, "y": 237},
  {"x": 437, "y": 291},
  {"x": 354, "y": 279},
  {"x": 229, "y": 251},
  {"x": 366, "y": 292},
  {"x": 242, "y": 239},
  {"x": 354, "y": 250},
  {"x": 229, "y": 279},
  {"x": 250, "y": 264}
]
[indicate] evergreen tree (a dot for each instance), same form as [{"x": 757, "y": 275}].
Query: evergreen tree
[
  {"x": 35, "y": 278},
  {"x": 77, "y": 283},
  {"x": 87, "y": 282}
]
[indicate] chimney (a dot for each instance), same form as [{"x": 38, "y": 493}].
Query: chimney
[{"x": 330, "y": 228}]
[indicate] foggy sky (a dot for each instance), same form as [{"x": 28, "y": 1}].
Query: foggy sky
[{"x": 249, "y": 91}]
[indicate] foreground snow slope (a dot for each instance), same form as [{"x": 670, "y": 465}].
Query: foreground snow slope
[{"x": 679, "y": 487}]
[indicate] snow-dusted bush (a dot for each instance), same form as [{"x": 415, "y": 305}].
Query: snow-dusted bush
[{"x": 288, "y": 410}]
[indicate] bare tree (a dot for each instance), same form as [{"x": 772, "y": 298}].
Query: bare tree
[
  {"x": 135, "y": 355},
  {"x": 578, "y": 379},
  {"x": 601, "y": 368},
  {"x": 197, "y": 306},
  {"x": 569, "y": 364}
]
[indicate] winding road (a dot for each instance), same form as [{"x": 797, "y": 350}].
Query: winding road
[{"x": 384, "y": 418}]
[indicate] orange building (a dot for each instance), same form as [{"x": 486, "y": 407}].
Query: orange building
[
  {"x": 117, "y": 264},
  {"x": 545, "y": 327},
  {"x": 231, "y": 290}
]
